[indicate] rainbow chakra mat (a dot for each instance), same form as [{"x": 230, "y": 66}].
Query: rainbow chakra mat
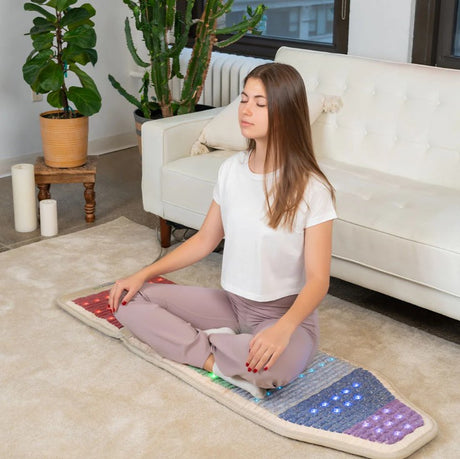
[{"x": 332, "y": 403}]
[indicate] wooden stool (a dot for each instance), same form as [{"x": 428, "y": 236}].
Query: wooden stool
[{"x": 86, "y": 174}]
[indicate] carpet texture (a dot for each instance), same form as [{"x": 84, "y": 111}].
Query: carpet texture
[
  {"x": 69, "y": 391},
  {"x": 332, "y": 403}
]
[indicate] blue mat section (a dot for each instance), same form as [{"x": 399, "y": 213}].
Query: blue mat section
[
  {"x": 323, "y": 368},
  {"x": 341, "y": 405},
  {"x": 335, "y": 396}
]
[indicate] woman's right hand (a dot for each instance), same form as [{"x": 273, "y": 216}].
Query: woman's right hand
[
  {"x": 128, "y": 287},
  {"x": 192, "y": 250}
]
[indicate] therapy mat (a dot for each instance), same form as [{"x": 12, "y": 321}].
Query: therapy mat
[{"x": 332, "y": 403}]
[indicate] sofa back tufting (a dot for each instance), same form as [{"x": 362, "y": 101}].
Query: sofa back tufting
[{"x": 401, "y": 119}]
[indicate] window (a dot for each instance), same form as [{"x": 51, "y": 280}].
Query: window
[
  {"x": 314, "y": 24},
  {"x": 456, "y": 38},
  {"x": 437, "y": 33}
]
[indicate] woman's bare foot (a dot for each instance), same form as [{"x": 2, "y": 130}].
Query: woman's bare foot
[{"x": 209, "y": 363}]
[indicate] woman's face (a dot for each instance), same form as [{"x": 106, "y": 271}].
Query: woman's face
[{"x": 253, "y": 111}]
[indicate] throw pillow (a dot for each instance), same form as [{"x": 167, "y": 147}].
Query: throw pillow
[{"x": 223, "y": 131}]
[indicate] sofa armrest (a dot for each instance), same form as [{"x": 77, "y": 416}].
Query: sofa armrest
[{"x": 165, "y": 140}]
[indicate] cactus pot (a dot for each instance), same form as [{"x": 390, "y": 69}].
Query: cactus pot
[
  {"x": 139, "y": 120},
  {"x": 64, "y": 140}
]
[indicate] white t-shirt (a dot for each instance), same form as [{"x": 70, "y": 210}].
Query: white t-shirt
[{"x": 259, "y": 262}]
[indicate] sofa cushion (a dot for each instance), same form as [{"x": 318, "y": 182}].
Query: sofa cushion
[
  {"x": 188, "y": 182},
  {"x": 223, "y": 131},
  {"x": 390, "y": 224}
]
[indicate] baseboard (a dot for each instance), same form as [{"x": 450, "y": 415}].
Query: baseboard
[
  {"x": 95, "y": 147},
  {"x": 113, "y": 143},
  {"x": 7, "y": 163}
]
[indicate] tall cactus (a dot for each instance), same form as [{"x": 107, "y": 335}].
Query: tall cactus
[
  {"x": 205, "y": 39},
  {"x": 165, "y": 30}
]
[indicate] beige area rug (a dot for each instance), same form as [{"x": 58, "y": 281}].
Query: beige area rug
[{"x": 69, "y": 391}]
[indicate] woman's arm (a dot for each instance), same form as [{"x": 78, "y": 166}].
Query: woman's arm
[
  {"x": 268, "y": 345},
  {"x": 197, "y": 247}
]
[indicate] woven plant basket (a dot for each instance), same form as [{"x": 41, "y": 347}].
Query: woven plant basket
[{"x": 64, "y": 141}]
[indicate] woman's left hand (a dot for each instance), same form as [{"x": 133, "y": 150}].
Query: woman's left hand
[{"x": 266, "y": 347}]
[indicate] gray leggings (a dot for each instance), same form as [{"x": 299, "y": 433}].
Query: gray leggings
[{"x": 170, "y": 318}]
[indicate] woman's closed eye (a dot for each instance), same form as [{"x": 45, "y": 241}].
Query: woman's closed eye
[{"x": 258, "y": 104}]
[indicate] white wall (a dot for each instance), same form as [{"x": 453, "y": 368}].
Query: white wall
[
  {"x": 112, "y": 128},
  {"x": 380, "y": 29}
]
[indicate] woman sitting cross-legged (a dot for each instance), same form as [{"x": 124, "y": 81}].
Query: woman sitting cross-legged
[{"x": 275, "y": 209}]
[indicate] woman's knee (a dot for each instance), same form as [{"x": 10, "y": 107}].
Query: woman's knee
[
  {"x": 134, "y": 314},
  {"x": 288, "y": 367},
  {"x": 122, "y": 314}
]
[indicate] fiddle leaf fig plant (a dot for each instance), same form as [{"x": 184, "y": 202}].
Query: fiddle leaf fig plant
[
  {"x": 165, "y": 31},
  {"x": 63, "y": 40}
]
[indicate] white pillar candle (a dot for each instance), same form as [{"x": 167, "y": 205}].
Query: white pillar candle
[
  {"x": 24, "y": 203},
  {"x": 48, "y": 217}
]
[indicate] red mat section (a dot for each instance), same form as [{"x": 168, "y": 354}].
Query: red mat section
[{"x": 97, "y": 303}]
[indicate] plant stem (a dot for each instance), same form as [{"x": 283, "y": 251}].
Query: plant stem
[{"x": 61, "y": 63}]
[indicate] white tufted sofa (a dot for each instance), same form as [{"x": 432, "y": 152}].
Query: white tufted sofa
[{"x": 392, "y": 153}]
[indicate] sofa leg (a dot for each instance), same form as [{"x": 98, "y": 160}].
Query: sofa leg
[{"x": 165, "y": 233}]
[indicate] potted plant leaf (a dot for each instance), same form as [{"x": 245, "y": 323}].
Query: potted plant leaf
[
  {"x": 165, "y": 30},
  {"x": 63, "y": 40}
]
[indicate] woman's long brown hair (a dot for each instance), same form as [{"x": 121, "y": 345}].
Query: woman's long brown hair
[{"x": 289, "y": 143}]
